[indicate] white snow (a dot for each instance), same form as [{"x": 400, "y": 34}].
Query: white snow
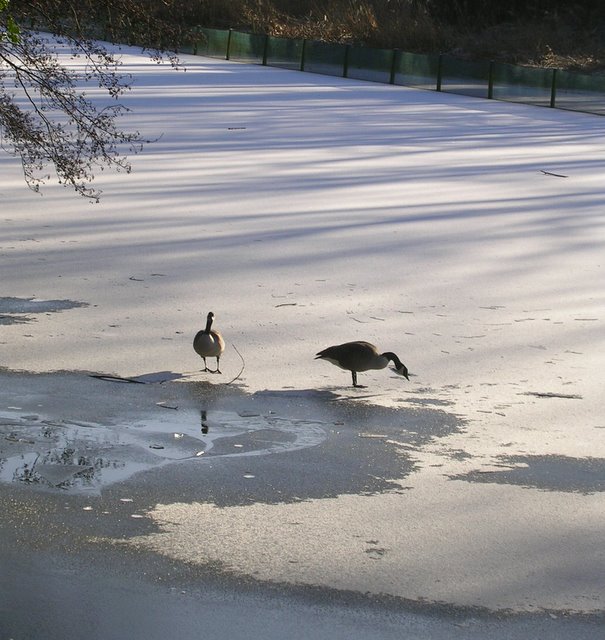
[{"x": 307, "y": 211}]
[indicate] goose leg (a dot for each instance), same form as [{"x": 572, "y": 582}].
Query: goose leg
[
  {"x": 217, "y": 370},
  {"x": 359, "y": 386},
  {"x": 205, "y": 364}
]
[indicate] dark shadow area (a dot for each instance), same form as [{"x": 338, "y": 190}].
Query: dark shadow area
[
  {"x": 144, "y": 597},
  {"x": 549, "y": 473}
]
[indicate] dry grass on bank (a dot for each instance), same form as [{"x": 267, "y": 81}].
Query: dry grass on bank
[{"x": 553, "y": 43}]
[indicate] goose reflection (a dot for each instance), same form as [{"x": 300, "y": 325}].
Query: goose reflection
[{"x": 204, "y": 422}]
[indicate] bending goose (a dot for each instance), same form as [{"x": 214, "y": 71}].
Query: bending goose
[
  {"x": 209, "y": 344},
  {"x": 361, "y": 356}
]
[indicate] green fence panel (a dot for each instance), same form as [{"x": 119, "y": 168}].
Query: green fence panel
[
  {"x": 327, "y": 58},
  {"x": 465, "y": 77},
  {"x": 580, "y": 92},
  {"x": 246, "y": 47},
  {"x": 527, "y": 85},
  {"x": 522, "y": 84},
  {"x": 283, "y": 52},
  {"x": 188, "y": 48},
  {"x": 370, "y": 64},
  {"x": 212, "y": 43},
  {"x": 416, "y": 70}
]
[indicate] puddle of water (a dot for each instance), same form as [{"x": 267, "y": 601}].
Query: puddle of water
[
  {"x": 15, "y": 319},
  {"x": 22, "y": 306},
  {"x": 87, "y": 456}
]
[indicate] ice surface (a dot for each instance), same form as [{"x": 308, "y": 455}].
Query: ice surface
[{"x": 307, "y": 211}]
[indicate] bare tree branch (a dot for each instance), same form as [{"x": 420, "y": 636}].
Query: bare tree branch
[{"x": 47, "y": 117}]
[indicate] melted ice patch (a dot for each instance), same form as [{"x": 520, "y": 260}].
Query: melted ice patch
[
  {"x": 16, "y": 310},
  {"x": 86, "y": 456}
]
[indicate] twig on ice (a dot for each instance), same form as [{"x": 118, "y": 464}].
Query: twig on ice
[
  {"x": 243, "y": 365},
  {"x": 556, "y": 175}
]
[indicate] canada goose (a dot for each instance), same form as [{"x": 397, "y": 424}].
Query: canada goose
[
  {"x": 361, "y": 356},
  {"x": 209, "y": 344}
]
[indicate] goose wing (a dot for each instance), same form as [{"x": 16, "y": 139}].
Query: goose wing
[{"x": 354, "y": 356}]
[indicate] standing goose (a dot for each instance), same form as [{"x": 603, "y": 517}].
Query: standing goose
[
  {"x": 209, "y": 344},
  {"x": 361, "y": 356}
]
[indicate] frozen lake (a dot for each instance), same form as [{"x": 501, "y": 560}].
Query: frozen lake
[{"x": 464, "y": 235}]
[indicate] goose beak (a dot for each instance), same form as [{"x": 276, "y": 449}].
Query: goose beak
[{"x": 402, "y": 372}]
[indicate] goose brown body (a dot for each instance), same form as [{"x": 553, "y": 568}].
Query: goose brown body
[
  {"x": 361, "y": 356},
  {"x": 209, "y": 343}
]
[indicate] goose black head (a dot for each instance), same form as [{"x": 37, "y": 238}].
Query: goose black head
[{"x": 402, "y": 370}]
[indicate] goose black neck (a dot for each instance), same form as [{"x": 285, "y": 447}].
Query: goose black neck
[
  {"x": 393, "y": 357},
  {"x": 208, "y": 324}
]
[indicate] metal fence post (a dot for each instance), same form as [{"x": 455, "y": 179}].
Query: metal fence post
[
  {"x": 265, "y": 49},
  {"x": 394, "y": 61},
  {"x": 303, "y": 53},
  {"x": 228, "y": 44},
  {"x": 490, "y": 80},
  {"x": 345, "y": 64},
  {"x": 439, "y": 71},
  {"x": 553, "y": 89}
]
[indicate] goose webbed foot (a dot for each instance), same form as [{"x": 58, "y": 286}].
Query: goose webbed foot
[
  {"x": 206, "y": 369},
  {"x": 217, "y": 370},
  {"x": 354, "y": 376}
]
